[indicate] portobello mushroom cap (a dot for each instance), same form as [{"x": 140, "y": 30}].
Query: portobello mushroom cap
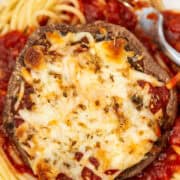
[{"x": 113, "y": 31}]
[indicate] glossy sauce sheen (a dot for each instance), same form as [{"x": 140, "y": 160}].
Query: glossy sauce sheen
[{"x": 12, "y": 43}]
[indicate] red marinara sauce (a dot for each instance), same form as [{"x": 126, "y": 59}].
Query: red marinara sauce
[
  {"x": 167, "y": 163},
  {"x": 172, "y": 28},
  {"x": 112, "y": 11},
  {"x": 10, "y": 46}
]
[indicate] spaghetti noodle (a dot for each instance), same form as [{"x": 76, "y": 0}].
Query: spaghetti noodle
[{"x": 21, "y": 14}]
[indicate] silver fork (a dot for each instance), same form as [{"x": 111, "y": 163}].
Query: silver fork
[{"x": 155, "y": 29}]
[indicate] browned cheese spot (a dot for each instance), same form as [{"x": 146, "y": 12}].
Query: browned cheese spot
[
  {"x": 114, "y": 48},
  {"x": 43, "y": 170},
  {"x": 34, "y": 58},
  {"x": 21, "y": 130}
]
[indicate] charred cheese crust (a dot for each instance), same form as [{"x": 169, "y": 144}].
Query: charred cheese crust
[{"x": 83, "y": 102}]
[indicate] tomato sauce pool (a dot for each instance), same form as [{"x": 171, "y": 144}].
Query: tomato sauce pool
[
  {"x": 111, "y": 11},
  {"x": 10, "y": 46},
  {"x": 172, "y": 28},
  {"x": 115, "y": 12}
]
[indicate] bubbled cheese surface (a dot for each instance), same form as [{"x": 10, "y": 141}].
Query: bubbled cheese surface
[{"x": 82, "y": 102}]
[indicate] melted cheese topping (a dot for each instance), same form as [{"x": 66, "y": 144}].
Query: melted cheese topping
[{"x": 83, "y": 102}]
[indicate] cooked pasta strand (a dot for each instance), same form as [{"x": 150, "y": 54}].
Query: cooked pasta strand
[{"x": 21, "y": 14}]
